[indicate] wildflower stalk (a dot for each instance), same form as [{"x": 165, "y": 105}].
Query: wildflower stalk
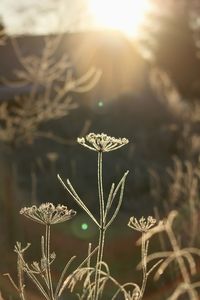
[
  {"x": 48, "y": 262},
  {"x": 144, "y": 249},
  {"x": 100, "y": 143},
  {"x": 20, "y": 272},
  {"x": 40, "y": 272},
  {"x": 100, "y": 188},
  {"x": 102, "y": 229},
  {"x": 143, "y": 225}
]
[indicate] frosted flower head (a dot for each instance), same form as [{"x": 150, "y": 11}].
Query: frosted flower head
[
  {"x": 48, "y": 214},
  {"x": 143, "y": 224},
  {"x": 102, "y": 142}
]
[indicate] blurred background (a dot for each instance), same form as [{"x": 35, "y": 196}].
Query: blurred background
[{"x": 126, "y": 68}]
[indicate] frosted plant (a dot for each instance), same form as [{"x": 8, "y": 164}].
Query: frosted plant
[
  {"x": 95, "y": 277},
  {"x": 40, "y": 272},
  {"x": 144, "y": 225},
  {"x": 182, "y": 256},
  {"x": 48, "y": 214},
  {"x": 100, "y": 143},
  {"x": 129, "y": 291}
]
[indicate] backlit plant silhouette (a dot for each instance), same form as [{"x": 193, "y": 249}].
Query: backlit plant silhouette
[
  {"x": 94, "y": 276},
  {"x": 101, "y": 143},
  {"x": 40, "y": 272}
]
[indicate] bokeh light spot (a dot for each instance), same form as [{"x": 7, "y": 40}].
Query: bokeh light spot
[
  {"x": 100, "y": 104},
  {"x": 84, "y": 226}
]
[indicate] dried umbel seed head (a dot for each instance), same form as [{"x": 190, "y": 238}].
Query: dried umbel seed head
[
  {"x": 48, "y": 214},
  {"x": 102, "y": 142},
  {"x": 143, "y": 224}
]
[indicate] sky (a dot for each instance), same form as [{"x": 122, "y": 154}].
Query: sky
[
  {"x": 50, "y": 16},
  {"x": 40, "y": 17}
]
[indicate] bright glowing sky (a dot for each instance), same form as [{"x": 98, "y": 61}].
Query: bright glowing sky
[
  {"x": 41, "y": 16},
  {"x": 126, "y": 16},
  {"x": 44, "y": 16}
]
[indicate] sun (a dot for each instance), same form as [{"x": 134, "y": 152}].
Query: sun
[{"x": 126, "y": 16}]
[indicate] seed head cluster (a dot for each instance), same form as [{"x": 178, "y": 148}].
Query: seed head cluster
[
  {"x": 48, "y": 214},
  {"x": 102, "y": 142},
  {"x": 143, "y": 224}
]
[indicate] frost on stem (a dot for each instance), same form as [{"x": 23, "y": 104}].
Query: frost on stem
[
  {"x": 102, "y": 142},
  {"x": 48, "y": 214}
]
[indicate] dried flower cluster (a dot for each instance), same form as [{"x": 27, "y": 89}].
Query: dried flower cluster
[
  {"x": 143, "y": 224},
  {"x": 102, "y": 142},
  {"x": 48, "y": 214}
]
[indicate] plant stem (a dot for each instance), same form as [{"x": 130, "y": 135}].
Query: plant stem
[
  {"x": 181, "y": 263},
  {"x": 20, "y": 278},
  {"x": 47, "y": 250},
  {"x": 144, "y": 265},
  {"x": 99, "y": 259},
  {"x": 102, "y": 227},
  {"x": 100, "y": 188}
]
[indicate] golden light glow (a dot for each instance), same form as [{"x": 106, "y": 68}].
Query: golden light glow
[{"x": 124, "y": 15}]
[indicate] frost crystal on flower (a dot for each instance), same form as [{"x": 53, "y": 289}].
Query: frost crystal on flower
[
  {"x": 102, "y": 142},
  {"x": 143, "y": 224},
  {"x": 47, "y": 213}
]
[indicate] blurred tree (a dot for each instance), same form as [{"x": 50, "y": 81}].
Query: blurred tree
[
  {"x": 2, "y": 32},
  {"x": 168, "y": 42}
]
